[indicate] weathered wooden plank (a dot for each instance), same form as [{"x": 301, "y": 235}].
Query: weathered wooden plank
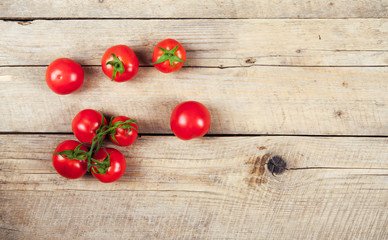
[
  {"x": 210, "y": 188},
  {"x": 255, "y": 100},
  {"x": 345, "y": 42},
  {"x": 193, "y": 9}
]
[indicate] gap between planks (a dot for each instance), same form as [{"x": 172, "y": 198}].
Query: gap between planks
[
  {"x": 226, "y": 67},
  {"x": 213, "y": 135},
  {"x": 31, "y": 19}
]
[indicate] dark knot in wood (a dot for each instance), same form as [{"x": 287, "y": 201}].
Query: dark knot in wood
[{"x": 276, "y": 165}]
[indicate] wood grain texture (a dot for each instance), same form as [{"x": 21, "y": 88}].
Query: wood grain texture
[
  {"x": 217, "y": 43},
  {"x": 218, "y": 188},
  {"x": 193, "y": 9},
  {"x": 261, "y": 67},
  {"x": 255, "y": 100}
]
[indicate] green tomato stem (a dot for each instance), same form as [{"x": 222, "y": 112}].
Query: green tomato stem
[
  {"x": 169, "y": 55},
  {"x": 118, "y": 66}
]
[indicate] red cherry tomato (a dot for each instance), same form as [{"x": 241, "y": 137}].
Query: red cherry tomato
[
  {"x": 190, "y": 120},
  {"x": 116, "y": 168},
  {"x": 121, "y": 136},
  {"x": 69, "y": 168},
  {"x": 86, "y": 123},
  {"x": 169, "y": 56},
  {"x": 64, "y": 76},
  {"x": 120, "y": 63}
]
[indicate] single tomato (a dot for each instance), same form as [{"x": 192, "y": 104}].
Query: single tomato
[
  {"x": 117, "y": 165},
  {"x": 120, "y": 63},
  {"x": 169, "y": 56},
  {"x": 124, "y": 134},
  {"x": 64, "y": 76},
  {"x": 71, "y": 164},
  {"x": 86, "y": 124},
  {"x": 190, "y": 120}
]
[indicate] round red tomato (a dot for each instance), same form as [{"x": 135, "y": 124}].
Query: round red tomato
[
  {"x": 190, "y": 120},
  {"x": 64, "y": 76},
  {"x": 169, "y": 56},
  {"x": 116, "y": 168},
  {"x": 120, "y": 63},
  {"x": 70, "y": 168},
  {"x": 86, "y": 123},
  {"x": 123, "y": 136}
]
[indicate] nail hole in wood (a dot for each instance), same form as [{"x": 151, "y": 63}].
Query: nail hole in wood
[
  {"x": 24, "y": 23},
  {"x": 250, "y": 60},
  {"x": 338, "y": 113}
]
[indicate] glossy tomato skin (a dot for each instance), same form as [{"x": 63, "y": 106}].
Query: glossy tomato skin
[
  {"x": 64, "y": 76},
  {"x": 126, "y": 56},
  {"x": 124, "y": 137},
  {"x": 69, "y": 168},
  {"x": 169, "y": 44},
  {"x": 85, "y": 124},
  {"x": 116, "y": 168},
  {"x": 190, "y": 120}
]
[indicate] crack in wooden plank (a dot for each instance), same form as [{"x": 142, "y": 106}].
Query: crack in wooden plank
[{"x": 337, "y": 168}]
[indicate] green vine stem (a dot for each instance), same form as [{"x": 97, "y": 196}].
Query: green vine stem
[{"x": 101, "y": 166}]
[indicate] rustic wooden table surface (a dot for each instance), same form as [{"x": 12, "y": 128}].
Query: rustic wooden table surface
[{"x": 303, "y": 80}]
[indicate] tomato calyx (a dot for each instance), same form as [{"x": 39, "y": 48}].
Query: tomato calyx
[
  {"x": 82, "y": 155},
  {"x": 101, "y": 166},
  {"x": 118, "y": 66},
  {"x": 76, "y": 154},
  {"x": 170, "y": 56},
  {"x": 123, "y": 125}
]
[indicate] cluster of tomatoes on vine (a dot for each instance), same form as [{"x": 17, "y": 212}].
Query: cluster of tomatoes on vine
[{"x": 73, "y": 159}]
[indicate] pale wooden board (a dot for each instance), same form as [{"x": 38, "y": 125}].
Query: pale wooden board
[
  {"x": 255, "y": 100},
  {"x": 209, "y": 188},
  {"x": 344, "y": 42},
  {"x": 219, "y": 188},
  {"x": 193, "y": 9}
]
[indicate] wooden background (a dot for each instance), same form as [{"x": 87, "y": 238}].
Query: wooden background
[{"x": 303, "y": 80}]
